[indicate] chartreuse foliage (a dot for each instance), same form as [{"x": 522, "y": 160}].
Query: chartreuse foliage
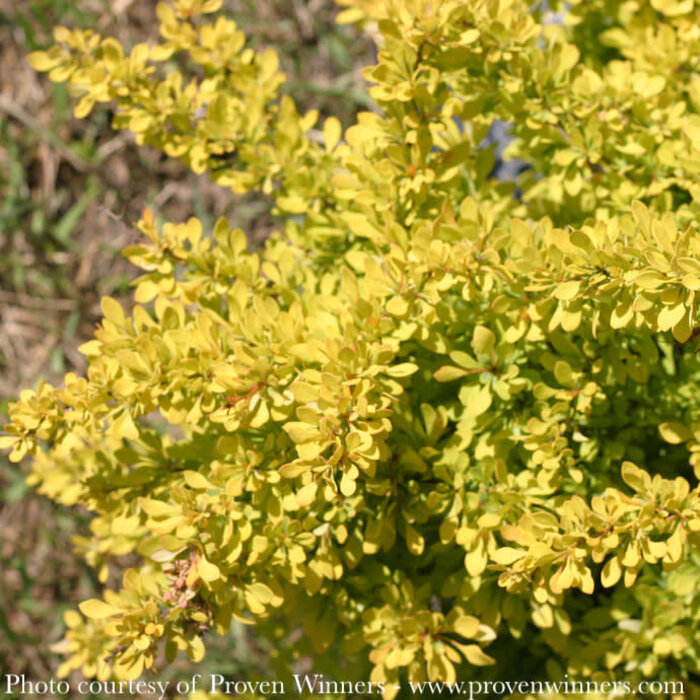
[{"x": 437, "y": 425}]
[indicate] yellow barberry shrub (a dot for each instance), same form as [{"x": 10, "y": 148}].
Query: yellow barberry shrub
[{"x": 444, "y": 424}]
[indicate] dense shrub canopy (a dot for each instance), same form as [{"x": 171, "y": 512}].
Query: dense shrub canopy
[{"x": 446, "y": 424}]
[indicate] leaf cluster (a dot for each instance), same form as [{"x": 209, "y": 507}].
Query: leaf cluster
[{"x": 429, "y": 416}]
